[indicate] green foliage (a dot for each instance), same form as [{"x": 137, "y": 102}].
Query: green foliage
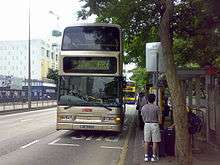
[
  {"x": 137, "y": 19},
  {"x": 193, "y": 28},
  {"x": 140, "y": 77},
  {"x": 53, "y": 75}
]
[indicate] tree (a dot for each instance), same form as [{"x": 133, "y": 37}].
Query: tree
[
  {"x": 53, "y": 75},
  {"x": 187, "y": 33},
  {"x": 139, "y": 21},
  {"x": 193, "y": 24},
  {"x": 140, "y": 77},
  {"x": 183, "y": 145}
]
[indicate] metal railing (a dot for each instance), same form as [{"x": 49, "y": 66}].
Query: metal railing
[{"x": 11, "y": 106}]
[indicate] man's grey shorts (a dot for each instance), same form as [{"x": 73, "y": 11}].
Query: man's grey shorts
[{"x": 152, "y": 132}]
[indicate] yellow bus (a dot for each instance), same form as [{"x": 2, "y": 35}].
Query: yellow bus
[
  {"x": 130, "y": 93},
  {"x": 90, "y": 90}
]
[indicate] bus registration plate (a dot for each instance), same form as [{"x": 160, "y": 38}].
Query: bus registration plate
[{"x": 87, "y": 126}]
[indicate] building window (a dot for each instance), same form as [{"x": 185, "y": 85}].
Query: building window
[{"x": 51, "y": 55}]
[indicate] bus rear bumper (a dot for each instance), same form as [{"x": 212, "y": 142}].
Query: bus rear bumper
[{"x": 98, "y": 127}]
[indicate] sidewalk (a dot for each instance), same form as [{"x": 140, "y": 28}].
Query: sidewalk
[{"x": 207, "y": 155}]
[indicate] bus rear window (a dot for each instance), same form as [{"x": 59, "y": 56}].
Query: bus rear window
[
  {"x": 102, "y": 65},
  {"x": 91, "y": 38}
]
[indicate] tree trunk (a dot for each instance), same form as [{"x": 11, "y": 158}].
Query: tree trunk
[{"x": 183, "y": 142}]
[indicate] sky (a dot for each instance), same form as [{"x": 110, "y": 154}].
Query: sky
[{"x": 14, "y": 17}]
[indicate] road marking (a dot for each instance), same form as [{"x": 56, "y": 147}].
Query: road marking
[
  {"x": 99, "y": 139},
  {"x": 109, "y": 147},
  {"x": 112, "y": 139},
  {"x": 24, "y": 120},
  {"x": 89, "y": 138},
  {"x": 62, "y": 144},
  {"x": 54, "y": 141},
  {"x": 65, "y": 144},
  {"x": 78, "y": 138},
  {"x": 29, "y": 144}
]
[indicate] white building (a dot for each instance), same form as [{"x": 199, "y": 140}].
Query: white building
[{"x": 14, "y": 58}]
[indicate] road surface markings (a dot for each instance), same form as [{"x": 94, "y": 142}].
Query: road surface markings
[
  {"x": 112, "y": 139},
  {"x": 65, "y": 144},
  {"x": 110, "y": 147},
  {"x": 89, "y": 138},
  {"x": 62, "y": 144},
  {"x": 25, "y": 120},
  {"x": 54, "y": 141},
  {"x": 29, "y": 144},
  {"x": 99, "y": 138},
  {"x": 78, "y": 138}
]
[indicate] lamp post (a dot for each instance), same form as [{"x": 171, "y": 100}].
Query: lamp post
[
  {"x": 57, "y": 17},
  {"x": 56, "y": 32},
  {"x": 29, "y": 57}
]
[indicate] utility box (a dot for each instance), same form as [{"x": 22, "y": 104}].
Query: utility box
[{"x": 154, "y": 57}]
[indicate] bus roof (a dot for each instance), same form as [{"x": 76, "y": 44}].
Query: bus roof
[{"x": 94, "y": 24}]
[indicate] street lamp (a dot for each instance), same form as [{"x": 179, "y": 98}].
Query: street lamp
[
  {"x": 56, "y": 32},
  {"x": 51, "y": 12},
  {"x": 29, "y": 57}
]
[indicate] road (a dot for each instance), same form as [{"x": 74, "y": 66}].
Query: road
[{"x": 30, "y": 138}]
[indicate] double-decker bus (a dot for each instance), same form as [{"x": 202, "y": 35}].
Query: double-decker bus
[
  {"x": 90, "y": 94},
  {"x": 130, "y": 93}
]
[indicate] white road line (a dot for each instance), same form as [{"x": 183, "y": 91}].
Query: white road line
[
  {"x": 109, "y": 139},
  {"x": 99, "y": 139},
  {"x": 29, "y": 144},
  {"x": 89, "y": 138},
  {"x": 115, "y": 139},
  {"x": 54, "y": 141},
  {"x": 109, "y": 147},
  {"x": 24, "y": 120},
  {"x": 78, "y": 138},
  {"x": 64, "y": 144}
]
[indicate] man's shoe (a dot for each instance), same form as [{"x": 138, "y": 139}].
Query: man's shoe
[
  {"x": 146, "y": 158},
  {"x": 154, "y": 158}
]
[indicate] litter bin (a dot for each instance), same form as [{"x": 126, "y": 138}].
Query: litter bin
[
  {"x": 170, "y": 141},
  {"x": 162, "y": 152}
]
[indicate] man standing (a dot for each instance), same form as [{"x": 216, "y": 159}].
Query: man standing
[
  {"x": 142, "y": 100},
  {"x": 151, "y": 115}
]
